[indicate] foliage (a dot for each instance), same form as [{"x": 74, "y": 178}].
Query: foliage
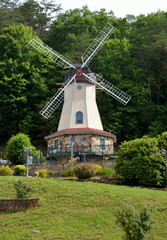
[
  {"x": 162, "y": 140},
  {"x": 104, "y": 171},
  {"x": 43, "y": 173},
  {"x": 84, "y": 170},
  {"x": 15, "y": 147},
  {"x": 134, "y": 59},
  {"x": 140, "y": 162},
  {"x": 38, "y": 156},
  {"x": 98, "y": 169},
  {"x": 20, "y": 170},
  {"x": 136, "y": 225},
  {"x": 20, "y": 86},
  {"x": 32, "y": 13},
  {"x": 5, "y": 171},
  {"x": 69, "y": 172},
  {"x": 22, "y": 189},
  {"x": 107, "y": 171}
]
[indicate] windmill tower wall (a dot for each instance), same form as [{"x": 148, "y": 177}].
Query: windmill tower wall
[{"x": 80, "y": 108}]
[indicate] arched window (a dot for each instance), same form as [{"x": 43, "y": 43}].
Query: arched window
[{"x": 79, "y": 117}]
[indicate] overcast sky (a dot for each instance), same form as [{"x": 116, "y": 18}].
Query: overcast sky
[{"x": 120, "y": 7}]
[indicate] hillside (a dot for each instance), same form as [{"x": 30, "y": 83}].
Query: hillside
[{"x": 78, "y": 211}]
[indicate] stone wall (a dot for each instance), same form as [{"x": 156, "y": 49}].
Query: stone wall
[
  {"x": 58, "y": 169},
  {"x": 90, "y": 142},
  {"x": 18, "y": 204},
  {"x": 55, "y": 168}
]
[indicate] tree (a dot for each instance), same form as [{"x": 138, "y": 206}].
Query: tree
[
  {"x": 35, "y": 14},
  {"x": 140, "y": 162},
  {"x": 148, "y": 39},
  {"x": 76, "y": 27},
  {"x": 8, "y": 14},
  {"x": 15, "y": 146},
  {"x": 38, "y": 15},
  {"x": 24, "y": 83}
]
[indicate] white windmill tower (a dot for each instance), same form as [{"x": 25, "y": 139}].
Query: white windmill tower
[{"x": 80, "y": 128}]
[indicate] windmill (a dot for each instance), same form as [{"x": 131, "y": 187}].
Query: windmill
[{"x": 80, "y": 113}]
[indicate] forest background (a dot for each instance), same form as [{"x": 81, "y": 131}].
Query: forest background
[{"x": 134, "y": 59}]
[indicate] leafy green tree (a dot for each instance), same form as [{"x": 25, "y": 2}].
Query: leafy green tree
[
  {"x": 148, "y": 39},
  {"x": 15, "y": 146},
  {"x": 25, "y": 77},
  {"x": 134, "y": 59},
  {"x": 73, "y": 30},
  {"x": 140, "y": 162}
]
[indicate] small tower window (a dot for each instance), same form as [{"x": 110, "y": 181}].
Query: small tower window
[
  {"x": 79, "y": 117},
  {"x": 56, "y": 144}
]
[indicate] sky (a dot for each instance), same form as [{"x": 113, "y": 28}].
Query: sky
[{"x": 120, "y": 7}]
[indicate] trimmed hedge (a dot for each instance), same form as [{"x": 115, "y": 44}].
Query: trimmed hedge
[{"x": 141, "y": 162}]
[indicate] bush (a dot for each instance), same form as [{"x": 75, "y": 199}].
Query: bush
[
  {"x": 43, "y": 173},
  {"x": 69, "y": 172},
  {"x": 140, "y": 161},
  {"x": 6, "y": 171},
  {"x": 20, "y": 170},
  {"x": 108, "y": 172},
  {"x": 85, "y": 170},
  {"x": 99, "y": 169},
  {"x": 15, "y": 147},
  {"x": 135, "y": 225},
  {"x": 22, "y": 190}
]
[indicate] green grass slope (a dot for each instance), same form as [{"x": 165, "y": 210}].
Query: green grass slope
[{"x": 71, "y": 210}]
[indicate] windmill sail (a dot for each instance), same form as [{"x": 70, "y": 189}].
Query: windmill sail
[
  {"x": 97, "y": 44},
  {"x": 63, "y": 62},
  {"x": 51, "y": 54},
  {"x": 110, "y": 89},
  {"x": 56, "y": 100}
]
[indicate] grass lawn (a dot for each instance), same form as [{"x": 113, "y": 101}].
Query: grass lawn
[{"x": 70, "y": 210}]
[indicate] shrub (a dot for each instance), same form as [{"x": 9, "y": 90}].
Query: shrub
[
  {"x": 108, "y": 172},
  {"x": 22, "y": 190},
  {"x": 69, "y": 172},
  {"x": 20, "y": 170},
  {"x": 99, "y": 169},
  {"x": 15, "y": 147},
  {"x": 43, "y": 173},
  {"x": 85, "y": 170},
  {"x": 6, "y": 171},
  {"x": 135, "y": 225},
  {"x": 140, "y": 161}
]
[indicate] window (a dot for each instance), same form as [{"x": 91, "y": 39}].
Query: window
[
  {"x": 79, "y": 117},
  {"x": 56, "y": 144},
  {"x": 79, "y": 87},
  {"x": 102, "y": 145}
]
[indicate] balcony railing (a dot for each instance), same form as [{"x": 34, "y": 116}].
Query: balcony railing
[{"x": 90, "y": 149}]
